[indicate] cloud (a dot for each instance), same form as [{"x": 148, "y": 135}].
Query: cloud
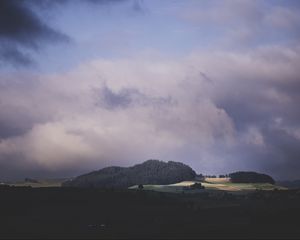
[
  {"x": 218, "y": 111},
  {"x": 21, "y": 29},
  {"x": 127, "y": 97},
  {"x": 71, "y": 123},
  {"x": 24, "y": 30},
  {"x": 243, "y": 24},
  {"x": 10, "y": 53}
]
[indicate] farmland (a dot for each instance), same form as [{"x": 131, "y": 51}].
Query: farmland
[
  {"x": 211, "y": 184},
  {"x": 55, "y": 182},
  {"x": 109, "y": 214}
]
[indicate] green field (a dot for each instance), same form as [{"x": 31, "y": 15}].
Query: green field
[
  {"x": 211, "y": 185},
  {"x": 56, "y": 182}
]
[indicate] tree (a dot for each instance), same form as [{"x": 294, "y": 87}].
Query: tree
[
  {"x": 250, "y": 177},
  {"x": 197, "y": 185}
]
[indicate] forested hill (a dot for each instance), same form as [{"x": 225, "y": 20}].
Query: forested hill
[
  {"x": 250, "y": 177},
  {"x": 149, "y": 172}
]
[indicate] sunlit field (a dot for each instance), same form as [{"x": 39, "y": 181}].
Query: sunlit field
[{"x": 211, "y": 184}]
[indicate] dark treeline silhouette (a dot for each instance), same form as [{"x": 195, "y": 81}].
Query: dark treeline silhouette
[
  {"x": 149, "y": 172},
  {"x": 200, "y": 177},
  {"x": 250, "y": 177},
  {"x": 197, "y": 185},
  {"x": 224, "y": 176},
  {"x": 31, "y": 180},
  {"x": 210, "y": 176}
]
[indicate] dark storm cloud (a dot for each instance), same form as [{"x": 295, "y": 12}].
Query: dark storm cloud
[
  {"x": 20, "y": 24},
  {"x": 121, "y": 99},
  {"x": 271, "y": 106},
  {"x": 246, "y": 108},
  {"x": 127, "y": 97},
  {"x": 286, "y": 148},
  {"x": 11, "y": 53},
  {"x": 14, "y": 170},
  {"x": 21, "y": 29},
  {"x": 280, "y": 156},
  {"x": 250, "y": 103},
  {"x": 7, "y": 130}
]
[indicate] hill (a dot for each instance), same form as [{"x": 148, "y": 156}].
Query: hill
[
  {"x": 250, "y": 177},
  {"x": 294, "y": 184},
  {"x": 149, "y": 172}
]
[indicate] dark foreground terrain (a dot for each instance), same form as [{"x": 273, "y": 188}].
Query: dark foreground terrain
[{"x": 90, "y": 213}]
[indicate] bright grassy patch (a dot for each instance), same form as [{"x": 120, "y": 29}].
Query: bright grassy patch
[
  {"x": 217, "y": 180},
  {"x": 222, "y": 184}
]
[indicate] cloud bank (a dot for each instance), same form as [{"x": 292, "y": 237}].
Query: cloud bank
[
  {"x": 232, "y": 105},
  {"x": 244, "y": 117}
]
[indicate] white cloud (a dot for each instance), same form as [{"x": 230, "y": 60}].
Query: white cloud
[{"x": 179, "y": 112}]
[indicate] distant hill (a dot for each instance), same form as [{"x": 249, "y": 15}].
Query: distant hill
[
  {"x": 38, "y": 183},
  {"x": 295, "y": 184},
  {"x": 30, "y": 180},
  {"x": 149, "y": 172},
  {"x": 250, "y": 177}
]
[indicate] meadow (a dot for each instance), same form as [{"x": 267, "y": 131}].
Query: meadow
[
  {"x": 39, "y": 183},
  {"x": 77, "y": 213},
  {"x": 211, "y": 184}
]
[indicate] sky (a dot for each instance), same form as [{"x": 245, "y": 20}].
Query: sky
[{"x": 86, "y": 84}]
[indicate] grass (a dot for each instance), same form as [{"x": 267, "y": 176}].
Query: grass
[
  {"x": 56, "y": 182},
  {"x": 211, "y": 184}
]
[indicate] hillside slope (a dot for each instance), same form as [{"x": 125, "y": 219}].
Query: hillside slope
[
  {"x": 149, "y": 172},
  {"x": 250, "y": 177}
]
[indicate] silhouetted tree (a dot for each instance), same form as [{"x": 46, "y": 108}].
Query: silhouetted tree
[
  {"x": 31, "y": 180},
  {"x": 197, "y": 186},
  {"x": 250, "y": 177}
]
